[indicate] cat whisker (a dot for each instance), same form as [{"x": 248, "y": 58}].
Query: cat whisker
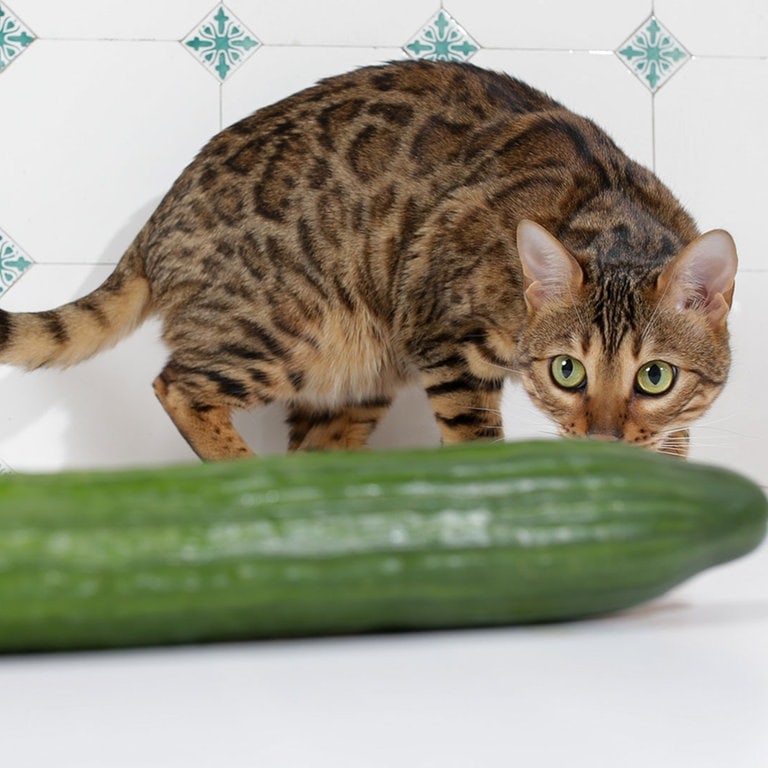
[
  {"x": 485, "y": 410},
  {"x": 672, "y": 432},
  {"x": 724, "y": 417},
  {"x": 513, "y": 371},
  {"x": 726, "y": 431}
]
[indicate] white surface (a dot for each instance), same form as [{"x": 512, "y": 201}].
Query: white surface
[{"x": 679, "y": 683}]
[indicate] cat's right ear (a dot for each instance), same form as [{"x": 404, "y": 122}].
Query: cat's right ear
[
  {"x": 701, "y": 277},
  {"x": 550, "y": 273}
]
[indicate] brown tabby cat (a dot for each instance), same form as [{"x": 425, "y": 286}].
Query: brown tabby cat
[{"x": 380, "y": 227}]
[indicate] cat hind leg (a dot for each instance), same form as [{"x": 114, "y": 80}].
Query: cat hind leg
[
  {"x": 346, "y": 427},
  {"x": 203, "y": 421}
]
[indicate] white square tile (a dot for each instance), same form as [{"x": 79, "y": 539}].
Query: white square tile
[
  {"x": 100, "y": 413},
  {"x": 335, "y": 22},
  {"x": 113, "y": 20},
  {"x": 557, "y": 24},
  {"x": 595, "y": 85},
  {"x": 99, "y": 132},
  {"x": 734, "y": 431},
  {"x": 280, "y": 71},
  {"x": 711, "y": 124},
  {"x": 739, "y": 28}
]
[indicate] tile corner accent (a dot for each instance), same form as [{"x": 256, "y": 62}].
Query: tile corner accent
[
  {"x": 15, "y": 37},
  {"x": 14, "y": 262},
  {"x": 442, "y": 38},
  {"x": 221, "y": 42},
  {"x": 652, "y": 53}
]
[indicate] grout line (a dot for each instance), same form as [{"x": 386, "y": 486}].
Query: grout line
[
  {"x": 653, "y": 130},
  {"x": 75, "y": 263},
  {"x": 377, "y": 46},
  {"x": 106, "y": 39}
]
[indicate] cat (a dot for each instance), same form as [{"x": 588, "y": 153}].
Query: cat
[{"x": 414, "y": 221}]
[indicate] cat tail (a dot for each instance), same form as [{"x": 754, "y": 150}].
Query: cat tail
[{"x": 78, "y": 330}]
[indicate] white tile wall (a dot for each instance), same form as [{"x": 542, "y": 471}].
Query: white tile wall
[
  {"x": 737, "y": 28},
  {"x": 586, "y": 25},
  {"x": 338, "y": 23},
  {"x": 105, "y": 107},
  {"x": 113, "y": 20}
]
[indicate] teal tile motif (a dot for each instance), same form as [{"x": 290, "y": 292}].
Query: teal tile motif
[
  {"x": 442, "y": 39},
  {"x": 221, "y": 42},
  {"x": 14, "y": 37},
  {"x": 653, "y": 54},
  {"x": 13, "y": 262}
]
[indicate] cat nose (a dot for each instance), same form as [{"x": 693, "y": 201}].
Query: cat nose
[{"x": 604, "y": 434}]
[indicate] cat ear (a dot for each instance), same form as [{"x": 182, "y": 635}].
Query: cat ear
[
  {"x": 550, "y": 272},
  {"x": 702, "y": 276}
]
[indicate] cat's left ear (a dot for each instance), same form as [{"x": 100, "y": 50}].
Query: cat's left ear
[
  {"x": 550, "y": 273},
  {"x": 702, "y": 276}
]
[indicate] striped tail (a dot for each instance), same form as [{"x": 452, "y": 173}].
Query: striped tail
[{"x": 77, "y": 331}]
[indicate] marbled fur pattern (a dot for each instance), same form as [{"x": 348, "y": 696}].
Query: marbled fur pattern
[{"x": 363, "y": 233}]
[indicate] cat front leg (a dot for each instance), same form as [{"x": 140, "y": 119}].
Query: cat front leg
[{"x": 465, "y": 407}]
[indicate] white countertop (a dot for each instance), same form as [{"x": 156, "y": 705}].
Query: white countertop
[{"x": 682, "y": 681}]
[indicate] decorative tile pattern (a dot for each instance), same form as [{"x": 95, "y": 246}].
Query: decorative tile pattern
[
  {"x": 442, "y": 39},
  {"x": 13, "y": 262},
  {"x": 14, "y": 37},
  {"x": 653, "y": 54},
  {"x": 221, "y": 42}
]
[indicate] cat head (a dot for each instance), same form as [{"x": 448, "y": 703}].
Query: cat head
[{"x": 633, "y": 353}]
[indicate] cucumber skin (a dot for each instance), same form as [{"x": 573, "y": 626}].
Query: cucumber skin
[{"x": 318, "y": 544}]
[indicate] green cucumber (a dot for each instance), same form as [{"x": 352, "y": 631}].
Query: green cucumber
[{"x": 316, "y": 544}]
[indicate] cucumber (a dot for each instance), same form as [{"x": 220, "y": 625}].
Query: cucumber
[{"x": 318, "y": 544}]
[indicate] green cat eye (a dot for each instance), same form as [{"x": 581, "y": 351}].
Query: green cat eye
[
  {"x": 568, "y": 372},
  {"x": 655, "y": 378}
]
